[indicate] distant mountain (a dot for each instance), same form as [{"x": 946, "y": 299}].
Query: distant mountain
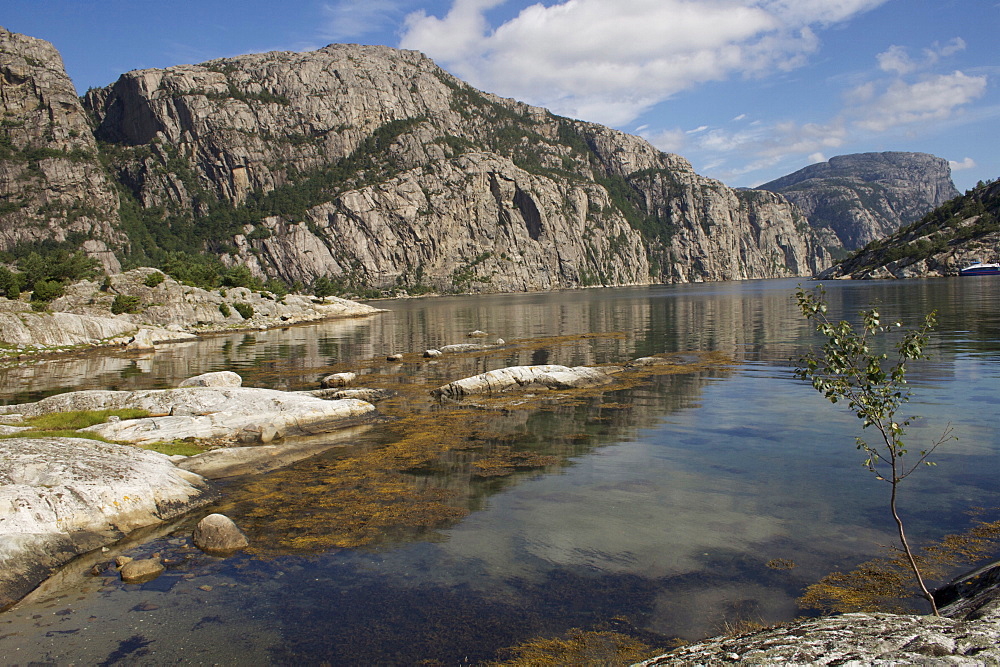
[
  {"x": 866, "y": 196},
  {"x": 368, "y": 167},
  {"x": 959, "y": 232}
]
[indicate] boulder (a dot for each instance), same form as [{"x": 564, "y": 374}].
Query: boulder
[
  {"x": 216, "y": 379},
  {"x": 520, "y": 377},
  {"x": 394, "y": 357},
  {"x": 478, "y": 334},
  {"x": 141, "y": 571},
  {"x": 432, "y": 354},
  {"x": 217, "y": 533},
  {"x": 143, "y": 340},
  {"x": 337, "y": 380}
]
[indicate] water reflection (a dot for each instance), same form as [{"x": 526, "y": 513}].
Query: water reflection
[{"x": 657, "y": 503}]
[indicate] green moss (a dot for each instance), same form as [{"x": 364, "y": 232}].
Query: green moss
[
  {"x": 76, "y": 419},
  {"x": 176, "y": 448}
]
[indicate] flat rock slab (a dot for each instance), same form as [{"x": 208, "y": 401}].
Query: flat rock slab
[
  {"x": 60, "y": 497},
  {"x": 234, "y": 461},
  {"x": 244, "y": 414},
  {"x": 546, "y": 376}
]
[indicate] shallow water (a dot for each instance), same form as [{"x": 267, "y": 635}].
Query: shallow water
[{"x": 653, "y": 507}]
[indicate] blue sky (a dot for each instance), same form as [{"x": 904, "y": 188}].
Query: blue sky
[{"x": 747, "y": 90}]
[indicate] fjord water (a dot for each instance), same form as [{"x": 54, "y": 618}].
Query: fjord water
[{"x": 653, "y": 508}]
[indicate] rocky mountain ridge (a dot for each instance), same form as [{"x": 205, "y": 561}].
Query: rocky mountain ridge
[
  {"x": 373, "y": 167},
  {"x": 52, "y": 185},
  {"x": 856, "y": 199},
  {"x": 964, "y": 230}
]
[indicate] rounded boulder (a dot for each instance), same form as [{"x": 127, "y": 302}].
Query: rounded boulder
[{"x": 217, "y": 533}]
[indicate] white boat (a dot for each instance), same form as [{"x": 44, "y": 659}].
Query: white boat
[{"x": 980, "y": 269}]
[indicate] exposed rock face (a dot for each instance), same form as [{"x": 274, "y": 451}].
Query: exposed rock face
[
  {"x": 60, "y": 497},
  {"x": 51, "y": 182},
  {"x": 962, "y": 231},
  {"x": 865, "y": 196},
  {"x": 245, "y": 414},
  {"x": 375, "y": 167}
]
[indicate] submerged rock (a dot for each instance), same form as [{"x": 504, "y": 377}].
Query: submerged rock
[
  {"x": 233, "y": 461},
  {"x": 141, "y": 571}
]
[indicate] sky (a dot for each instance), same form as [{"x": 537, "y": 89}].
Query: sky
[{"x": 747, "y": 90}]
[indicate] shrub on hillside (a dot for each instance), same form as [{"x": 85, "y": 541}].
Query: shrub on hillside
[{"x": 125, "y": 303}]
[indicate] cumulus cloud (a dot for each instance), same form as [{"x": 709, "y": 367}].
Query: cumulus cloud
[
  {"x": 933, "y": 98},
  {"x": 967, "y": 163},
  {"x": 610, "y": 60}
]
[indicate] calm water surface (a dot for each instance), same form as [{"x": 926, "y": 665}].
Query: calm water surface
[{"x": 651, "y": 509}]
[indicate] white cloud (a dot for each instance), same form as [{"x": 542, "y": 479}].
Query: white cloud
[
  {"x": 908, "y": 100},
  {"x": 896, "y": 59},
  {"x": 347, "y": 19},
  {"x": 967, "y": 163},
  {"x": 700, "y": 128},
  {"x": 933, "y": 98},
  {"x": 610, "y": 60}
]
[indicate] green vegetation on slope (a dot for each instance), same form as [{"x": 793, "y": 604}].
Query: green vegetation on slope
[{"x": 954, "y": 224}]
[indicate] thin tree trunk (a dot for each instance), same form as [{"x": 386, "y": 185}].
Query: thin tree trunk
[{"x": 906, "y": 545}]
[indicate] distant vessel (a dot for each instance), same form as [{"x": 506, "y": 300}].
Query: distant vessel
[{"x": 980, "y": 269}]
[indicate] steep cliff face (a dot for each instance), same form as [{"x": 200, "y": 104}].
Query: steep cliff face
[
  {"x": 52, "y": 185},
  {"x": 863, "y": 197},
  {"x": 961, "y": 231},
  {"x": 375, "y": 167}
]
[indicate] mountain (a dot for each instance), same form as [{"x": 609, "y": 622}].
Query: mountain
[
  {"x": 959, "y": 232},
  {"x": 52, "y": 185},
  {"x": 375, "y": 169},
  {"x": 856, "y": 199}
]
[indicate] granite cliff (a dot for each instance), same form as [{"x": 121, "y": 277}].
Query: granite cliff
[
  {"x": 52, "y": 185},
  {"x": 375, "y": 168},
  {"x": 855, "y": 199},
  {"x": 961, "y": 231}
]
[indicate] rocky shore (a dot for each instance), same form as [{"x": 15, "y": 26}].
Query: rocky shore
[
  {"x": 966, "y": 633},
  {"x": 64, "y": 496},
  {"x": 159, "y": 310}
]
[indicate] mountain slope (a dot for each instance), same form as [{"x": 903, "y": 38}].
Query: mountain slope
[
  {"x": 865, "y": 196},
  {"x": 52, "y": 185},
  {"x": 961, "y": 231},
  {"x": 375, "y": 168}
]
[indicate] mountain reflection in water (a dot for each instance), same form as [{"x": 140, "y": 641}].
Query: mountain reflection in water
[{"x": 656, "y": 506}]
